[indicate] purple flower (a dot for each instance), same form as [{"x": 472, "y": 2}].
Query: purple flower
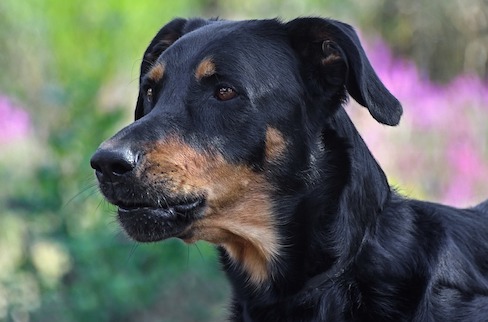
[
  {"x": 467, "y": 168},
  {"x": 14, "y": 122},
  {"x": 443, "y": 130}
]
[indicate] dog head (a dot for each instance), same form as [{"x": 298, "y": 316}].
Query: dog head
[{"x": 225, "y": 122}]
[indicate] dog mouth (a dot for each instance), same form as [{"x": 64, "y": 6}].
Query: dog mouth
[{"x": 149, "y": 223}]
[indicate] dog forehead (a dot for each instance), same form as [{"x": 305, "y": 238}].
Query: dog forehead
[{"x": 233, "y": 41}]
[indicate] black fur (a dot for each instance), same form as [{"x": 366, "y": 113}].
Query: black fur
[{"x": 354, "y": 250}]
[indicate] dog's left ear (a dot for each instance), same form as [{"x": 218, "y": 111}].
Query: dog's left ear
[
  {"x": 332, "y": 51},
  {"x": 164, "y": 39}
]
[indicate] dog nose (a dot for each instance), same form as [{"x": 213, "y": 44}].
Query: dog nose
[{"x": 113, "y": 162}]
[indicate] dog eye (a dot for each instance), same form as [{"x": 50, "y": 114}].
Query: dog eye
[
  {"x": 149, "y": 95},
  {"x": 225, "y": 93}
]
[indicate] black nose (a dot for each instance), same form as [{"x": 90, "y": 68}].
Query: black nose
[{"x": 113, "y": 162}]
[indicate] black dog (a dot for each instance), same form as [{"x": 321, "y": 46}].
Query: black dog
[{"x": 241, "y": 140}]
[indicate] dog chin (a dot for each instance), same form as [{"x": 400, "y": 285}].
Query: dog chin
[{"x": 151, "y": 224}]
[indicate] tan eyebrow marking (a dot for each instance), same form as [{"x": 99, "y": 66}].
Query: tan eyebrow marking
[
  {"x": 156, "y": 73},
  {"x": 206, "y": 68}
]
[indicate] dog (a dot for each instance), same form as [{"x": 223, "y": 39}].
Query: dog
[{"x": 241, "y": 139}]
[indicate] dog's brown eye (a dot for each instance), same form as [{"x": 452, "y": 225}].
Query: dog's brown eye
[
  {"x": 225, "y": 93},
  {"x": 149, "y": 95}
]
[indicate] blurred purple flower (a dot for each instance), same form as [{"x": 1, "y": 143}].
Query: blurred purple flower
[
  {"x": 428, "y": 104},
  {"x": 444, "y": 123},
  {"x": 14, "y": 121},
  {"x": 468, "y": 89},
  {"x": 467, "y": 168}
]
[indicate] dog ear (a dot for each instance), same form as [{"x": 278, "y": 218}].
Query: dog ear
[
  {"x": 163, "y": 39},
  {"x": 332, "y": 50}
]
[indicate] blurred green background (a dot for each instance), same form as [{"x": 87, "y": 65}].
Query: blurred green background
[{"x": 68, "y": 80}]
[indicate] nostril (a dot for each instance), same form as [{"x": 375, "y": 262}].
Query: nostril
[
  {"x": 121, "y": 168},
  {"x": 113, "y": 162}
]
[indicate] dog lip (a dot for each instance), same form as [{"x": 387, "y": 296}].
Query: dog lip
[
  {"x": 184, "y": 208},
  {"x": 179, "y": 207},
  {"x": 145, "y": 223}
]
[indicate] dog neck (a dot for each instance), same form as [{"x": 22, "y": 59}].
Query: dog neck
[
  {"x": 345, "y": 202},
  {"x": 365, "y": 188},
  {"x": 352, "y": 191}
]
